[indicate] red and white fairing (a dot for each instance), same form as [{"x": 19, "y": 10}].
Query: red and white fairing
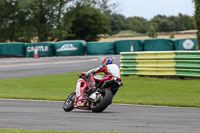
[
  {"x": 110, "y": 70},
  {"x": 80, "y": 100}
]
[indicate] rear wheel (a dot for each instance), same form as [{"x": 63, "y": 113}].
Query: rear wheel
[
  {"x": 69, "y": 102},
  {"x": 102, "y": 104}
]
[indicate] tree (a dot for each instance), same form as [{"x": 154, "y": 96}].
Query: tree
[
  {"x": 138, "y": 24},
  {"x": 159, "y": 22},
  {"x": 12, "y": 24},
  {"x": 118, "y": 23},
  {"x": 197, "y": 17},
  {"x": 172, "y": 35},
  {"x": 152, "y": 32},
  {"x": 87, "y": 23},
  {"x": 104, "y": 6},
  {"x": 166, "y": 25},
  {"x": 163, "y": 23},
  {"x": 90, "y": 3},
  {"x": 184, "y": 22},
  {"x": 45, "y": 17}
]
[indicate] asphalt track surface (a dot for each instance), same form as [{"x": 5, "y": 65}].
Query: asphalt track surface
[
  {"x": 26, "y": 114},
  {"x": 22, "y": 67}
]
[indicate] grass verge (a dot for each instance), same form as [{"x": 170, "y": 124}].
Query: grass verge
[{"x": 136, "y": 90}]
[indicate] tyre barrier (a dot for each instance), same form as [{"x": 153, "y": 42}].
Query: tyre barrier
[
  {"x": 185, "y": 44},
  {"x": 166, "y": 63},
  {"x": 70, "y": 48},
  {"x": 100, "y": 48},
  {"x": 44, "y": 49},
  {"x": 81, "y": 47},
  {"x": 158, "y": 44},
  {"x": 12, "y": 49},
  {"x": 128, "y": 45}
]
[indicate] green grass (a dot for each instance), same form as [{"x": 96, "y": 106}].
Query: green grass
[
  {"x": 45, "y": 131},
  {"x": 45, "y": 87},
  {"x": 156, "y": 91},
  {"x": 136, "y": 90}
]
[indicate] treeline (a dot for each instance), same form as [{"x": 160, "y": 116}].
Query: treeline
[
  {"x": 160, "y": 23},
  {"x": 48, "y": 20}
]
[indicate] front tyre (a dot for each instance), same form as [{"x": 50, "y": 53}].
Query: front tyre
[
  {"x": 102, "y": 104},
  {"x": 69, "y": 102}
]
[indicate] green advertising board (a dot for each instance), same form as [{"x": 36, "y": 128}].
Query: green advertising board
[
  {"x": 185, "y": 44},
  {"x": 82, "y": 41},
  {"x": 44, "y": 49},
  {"x": 69, "y": 48},
  {"x": 128, "y": 46},
  {"x": 100, "y": 48},
  {"x": 157, "y": 44},
  {"x": 12, "y": 49}
]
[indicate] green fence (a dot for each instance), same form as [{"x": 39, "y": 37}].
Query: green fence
[
  {"x": 157, "y": 44},
  {"x": 12, "y": 49},
  {"x": 185, "y": 44},
  {"x": 44, "y": 49},
  {"x": 128, "y": 45},
  {"x": 180, "y": 63},
  {"x": 81, "y": 47},
  {"x": 100, "y": 48},
  {"x": 67, "y": 48},
  {"x": 82, "y": 41}
]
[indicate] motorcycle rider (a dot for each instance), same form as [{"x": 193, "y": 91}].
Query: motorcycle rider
[{"x": 107, "y": 67}]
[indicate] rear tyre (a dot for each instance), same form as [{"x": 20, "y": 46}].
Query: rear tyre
[
  {"x": 69, "y": 102},
  {"x": 103, "y": 103}
]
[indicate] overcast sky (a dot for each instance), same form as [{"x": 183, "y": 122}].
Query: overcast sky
[{"x": 149, "y": 8}]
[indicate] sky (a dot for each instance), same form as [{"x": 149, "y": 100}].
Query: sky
[{"x": 150, "y": 8}]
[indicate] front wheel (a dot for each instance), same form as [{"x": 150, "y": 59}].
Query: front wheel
[
  {"x": 69, "y": 102},
  {"x": 102, "y": 104}
]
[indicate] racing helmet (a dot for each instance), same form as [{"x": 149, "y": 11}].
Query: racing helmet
[{"x": 107, "y": 60}]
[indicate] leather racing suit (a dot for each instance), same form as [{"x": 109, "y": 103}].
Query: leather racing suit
[{"x": 107, "y": 69}]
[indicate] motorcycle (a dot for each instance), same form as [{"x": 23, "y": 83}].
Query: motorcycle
[{"x": 107, "y": 86}]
